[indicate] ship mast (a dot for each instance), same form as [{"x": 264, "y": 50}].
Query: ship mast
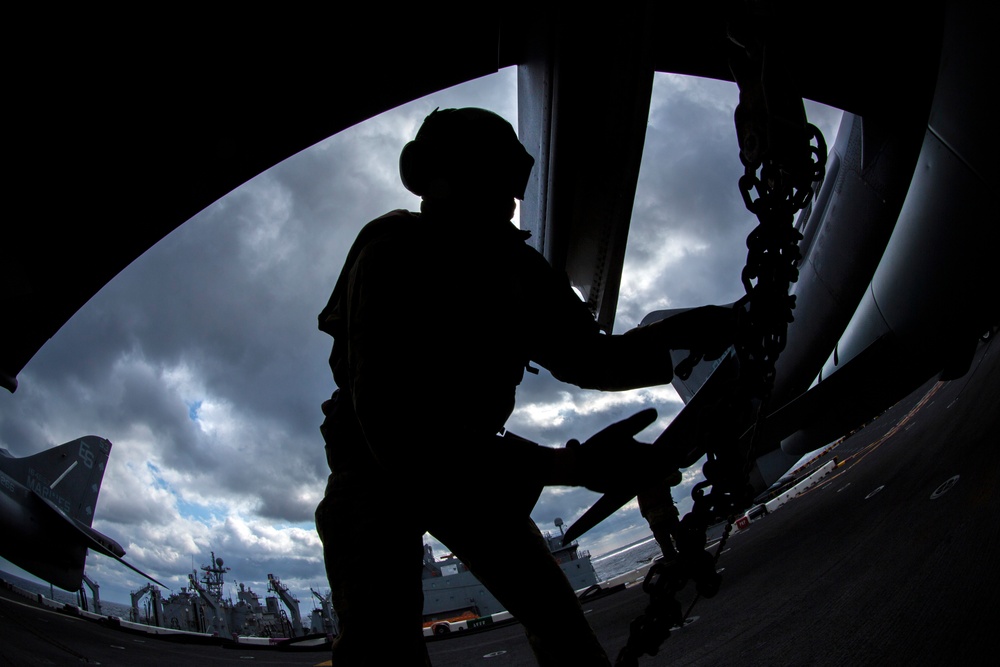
[{"x": 213, "y": 577}]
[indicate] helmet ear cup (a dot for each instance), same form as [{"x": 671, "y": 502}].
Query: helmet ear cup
[
  {"x": 422, "y": 170},
  {"x": 413, "y": 167}
]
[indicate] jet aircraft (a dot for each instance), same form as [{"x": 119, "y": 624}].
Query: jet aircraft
[
  {"x": 896, "y": 275},
  {"x": 47, "y": 504},
  {"x": 896, "y": 282}
]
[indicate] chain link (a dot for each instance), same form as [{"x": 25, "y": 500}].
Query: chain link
[{"x": 784, "y": 158}]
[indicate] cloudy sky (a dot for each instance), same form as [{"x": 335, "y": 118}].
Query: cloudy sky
[{"x": 202, "y": 363}]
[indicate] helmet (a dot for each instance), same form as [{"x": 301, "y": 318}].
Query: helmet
[{"x": 465, "y": 150}]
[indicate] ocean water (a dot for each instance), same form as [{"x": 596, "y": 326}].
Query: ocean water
[{"x": 627, "y": 559}]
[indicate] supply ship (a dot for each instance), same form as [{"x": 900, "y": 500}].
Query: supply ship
[
  {"x": 203, "y": 608},
  {"x": 454, "y": 598}
]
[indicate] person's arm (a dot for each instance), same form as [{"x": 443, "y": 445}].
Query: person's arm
[{"x": 572, "y": 347}]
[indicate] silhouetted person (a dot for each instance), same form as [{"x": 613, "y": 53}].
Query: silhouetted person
[
  {"x": 657, "y": 506},
  {"x": 435, "y": 316}
]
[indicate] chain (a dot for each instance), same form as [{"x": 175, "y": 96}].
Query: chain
[{"x": 784, "y": 157}]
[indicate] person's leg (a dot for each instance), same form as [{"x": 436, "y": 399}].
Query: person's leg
[
  {"x": 515, "y": 563},
  {"x": 373, "y": 552},
  {"x": 657, "y": 506},
  {"x": 373, "y": 564}
]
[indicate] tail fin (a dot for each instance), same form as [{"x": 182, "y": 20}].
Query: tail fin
[{"x": 68, "y": 476}]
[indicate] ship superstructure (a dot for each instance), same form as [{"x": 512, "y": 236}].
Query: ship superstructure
[
  {"x": 451, "y": 591},
  {"x": 203, "y": 607}
]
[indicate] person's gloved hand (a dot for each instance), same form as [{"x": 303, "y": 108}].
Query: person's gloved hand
[
  {"x": 612, "y": 460},
  {"x": 707, "y": 331}
]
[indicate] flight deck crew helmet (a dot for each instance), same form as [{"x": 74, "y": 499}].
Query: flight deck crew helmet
[{"x": 466, "y": 150}]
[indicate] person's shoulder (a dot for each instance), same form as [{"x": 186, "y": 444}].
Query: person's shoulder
[
  {"x": 526, "y": 253},
  {"x": 396, "y": 220},
  {"x": 399, "y": 215},
  {"x": 390, "y": 226},
  {"x": 390, "y": 237}
]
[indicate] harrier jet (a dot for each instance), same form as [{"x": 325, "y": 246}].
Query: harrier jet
[{"x": 47, "y": 504}]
